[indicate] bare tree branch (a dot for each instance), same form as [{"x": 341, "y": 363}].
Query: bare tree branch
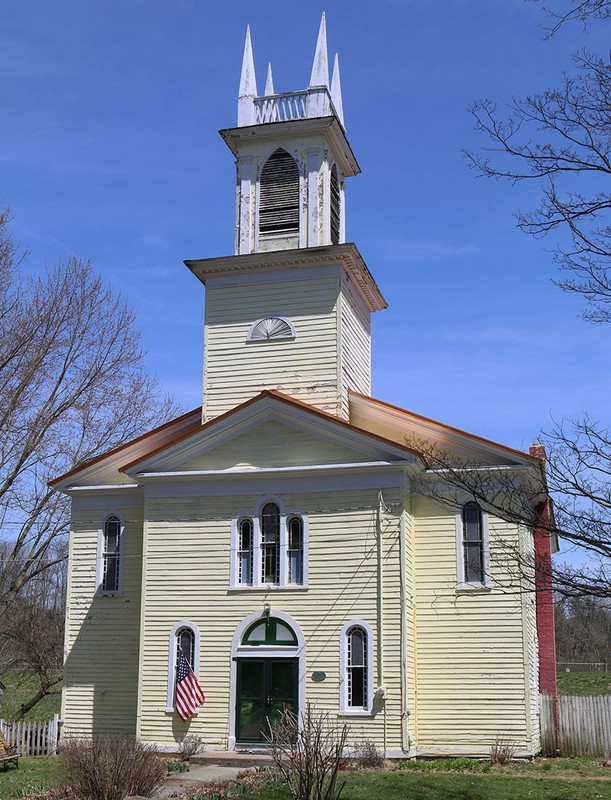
[{"x": 73, "y": 385}]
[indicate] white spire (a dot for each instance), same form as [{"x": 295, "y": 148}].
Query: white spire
[
  {"x": 336, "y": 90},
  {"x": 269, "y": 83},
  {"x": 248, "y": 85},
  {"x": 320, "y": 67}
]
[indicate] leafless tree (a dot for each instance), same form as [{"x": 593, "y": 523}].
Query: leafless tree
[
  {"x": 73, "y": 385},
  {"x": 581, "y": 515},
  {"x": 583, "y": 630},
  {"x": 560, "y": 139},
  {"x": 575, "y": 11}
]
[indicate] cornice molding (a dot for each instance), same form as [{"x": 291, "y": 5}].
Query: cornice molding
[
  {"x": 346, "y": 255},
  {"x": 329, "y": 127}
]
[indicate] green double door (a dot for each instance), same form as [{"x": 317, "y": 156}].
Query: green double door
[{"x": 266, "y": 687}]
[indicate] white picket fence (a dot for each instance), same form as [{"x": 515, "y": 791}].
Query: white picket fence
[
  {"x": 33, "y": 738},
  {"x": 584, "y": 725}
]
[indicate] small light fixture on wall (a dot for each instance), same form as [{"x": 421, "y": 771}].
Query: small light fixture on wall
[{"x": 267, "y": 610}]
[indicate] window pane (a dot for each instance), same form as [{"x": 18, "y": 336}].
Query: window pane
[
  {"x": 245, "y": 545},
  {"x": 185, "y": 641},
  {"x": 295, "y": 549},
  {"x": 472, "y": 522},
  {"x": 473, "y": 543},
  {"x": 357, "y": 668},
  {"x": 110, "y": 554},
  {"x": 270, "y": 543}
]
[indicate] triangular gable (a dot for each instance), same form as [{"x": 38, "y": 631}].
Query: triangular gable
[
  {"x": 413, "y": 429},
  {"x": 105, "y": 469},
  {"x": 270, "y": 430}
]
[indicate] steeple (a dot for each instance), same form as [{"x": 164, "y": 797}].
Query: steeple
[
  {"x": 248, "y": 85},
  {"x": 290, "y": 310},
  {"x": 336, "y": 91},
  {"x": 292, "y": 159},
  {"x": 320, "y": 67}
]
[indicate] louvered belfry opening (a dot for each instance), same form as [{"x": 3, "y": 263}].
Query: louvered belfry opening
[
  {"x": 335, "y": 200},
  {"x": 279, "y": 196}
]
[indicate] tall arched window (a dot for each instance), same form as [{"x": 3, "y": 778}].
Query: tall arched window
[
  {"x": 356, "y": 668},
  {"x": 269, "y": 547},
  {"x": 279, "y": 196},
  {"x": 473, "y": 544},
  {"x": 110, "y": 578},
  {"x": 245, "y": 545},
  {"x": 183, "y": 636},
  {"x": 335, "y": 206},
  {"x": 295, "y": 549},
  {"x": 270, "y": 543}
]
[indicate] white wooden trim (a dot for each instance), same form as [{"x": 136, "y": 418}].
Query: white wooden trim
[
  {"x": 184, "y": 623},
  {"x": 344, "y": 709},
  {"x": 244, "y": 651}
]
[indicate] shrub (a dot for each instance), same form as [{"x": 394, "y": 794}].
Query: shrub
[
  {"x": 105, "y": 768},
  {"x": 309, "y": 755},
  {"x": 176, "y": 765},
  {"x": 367, "y": 756},
  {"x": 503, "y": 750},
  {"x": 190, "y": 746}
]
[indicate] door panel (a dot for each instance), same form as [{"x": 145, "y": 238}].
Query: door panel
[
  {"x": 266, "y": 688},
  {"x": 251, "y": 699}
]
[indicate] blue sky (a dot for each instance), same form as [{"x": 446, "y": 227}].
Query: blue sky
[{"x": 109, "y": 150}]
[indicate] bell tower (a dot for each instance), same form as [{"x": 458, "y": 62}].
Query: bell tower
[
  {"x": 290, "y": 310},
  {"x": 292, "y": 158}
]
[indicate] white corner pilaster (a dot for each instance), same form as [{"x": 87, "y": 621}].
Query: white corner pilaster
[
  {"x": 245, "y": 205},
  {"x": 313, "y": 155}
]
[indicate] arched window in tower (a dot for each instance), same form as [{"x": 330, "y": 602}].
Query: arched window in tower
[
  {"x": 279, "y": 197},
  {"x": 335, "y": 206}
]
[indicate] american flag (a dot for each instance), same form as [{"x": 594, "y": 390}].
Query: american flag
[{"x": 189, "y": 695}]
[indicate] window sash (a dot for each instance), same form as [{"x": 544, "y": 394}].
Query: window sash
[
  {"x": 111, "y": 555},
  {"x": 270, "y": 544},
  {"x": 356, "y": 668},
  {"x": 295, "y": 550},
  {"x": 473, "y": 544}
]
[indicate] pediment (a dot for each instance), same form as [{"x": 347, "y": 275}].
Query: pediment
[{"x": 270, "y": 432}]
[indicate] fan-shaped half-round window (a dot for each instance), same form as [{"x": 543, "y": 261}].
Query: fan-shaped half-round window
[{"x": 271, "y": 328}]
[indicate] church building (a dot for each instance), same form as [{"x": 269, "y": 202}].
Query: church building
[{"x": 281, "y": 536}]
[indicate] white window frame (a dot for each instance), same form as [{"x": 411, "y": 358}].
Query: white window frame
[
  {"x": 184, "y": 623},
  {"x": 344, "y": 708},
  {"x": 461, "y": 583},
  {"x": 255, "y": 516},
  {"x": 99, "y": 577}
]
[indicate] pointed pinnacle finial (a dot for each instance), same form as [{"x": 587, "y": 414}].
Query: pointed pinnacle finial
[
  {"x": 336, "y": 90},
  {"x": 248, "y": 85},
  {"x": 269, "y": 83},
  {"x": 320, "y": 67}
]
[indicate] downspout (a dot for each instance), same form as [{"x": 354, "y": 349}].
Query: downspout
[
  {"x": 380, "y": 692},
  {"x": 380, "y": 638},
  {"x": 403, "y": 621}
]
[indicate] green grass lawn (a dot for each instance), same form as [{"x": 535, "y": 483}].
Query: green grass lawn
[
  {"x": 584, "y": 682},
  {"x": 33, "y": 775},
  {"x": 554, "y": 779},
  {"x": 20, "y": 686}
]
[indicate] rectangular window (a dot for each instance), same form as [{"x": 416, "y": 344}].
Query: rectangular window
[{"x": 472, "y": 546}]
